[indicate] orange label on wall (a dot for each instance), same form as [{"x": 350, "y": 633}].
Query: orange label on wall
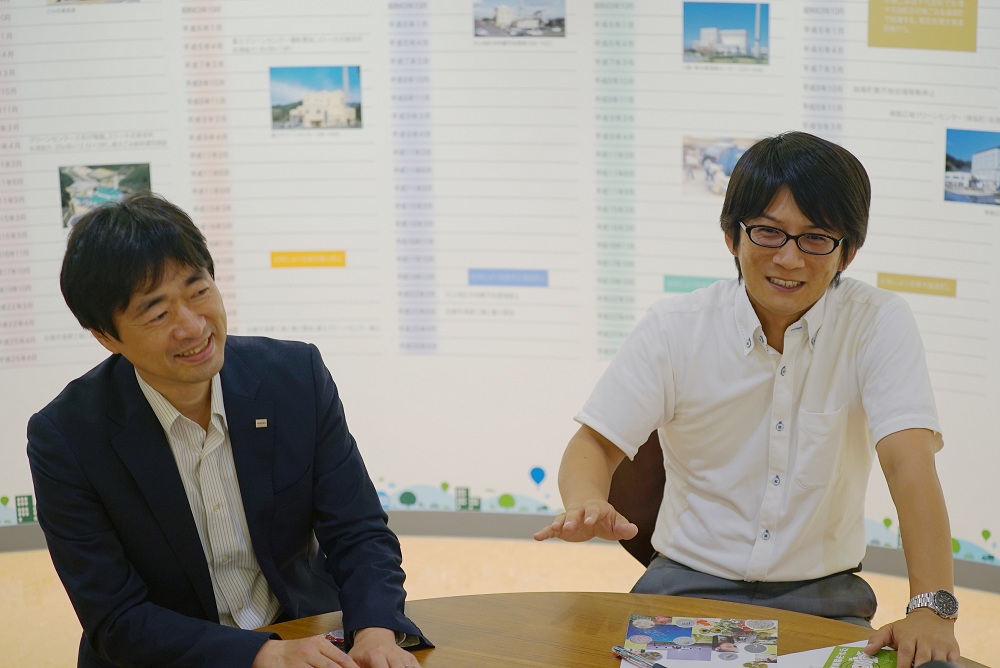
[
  {"x": 925, "y": 285},
  {"x": 285, "y": 259}
]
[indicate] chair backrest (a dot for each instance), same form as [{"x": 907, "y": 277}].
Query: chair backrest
[{"x": 636, "y": 492}]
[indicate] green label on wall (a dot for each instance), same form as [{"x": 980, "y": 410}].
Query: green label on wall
[{"x": 686, "y": 283}]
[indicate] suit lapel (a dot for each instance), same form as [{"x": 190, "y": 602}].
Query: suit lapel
[
  {"x": 143, "y": 448},
  {"x": 250, "y": 421}
]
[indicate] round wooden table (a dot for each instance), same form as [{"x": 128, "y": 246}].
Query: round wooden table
[{"x": 567, "y": 629}]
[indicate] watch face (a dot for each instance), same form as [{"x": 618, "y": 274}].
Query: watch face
[{"x": 945, "y": 603}]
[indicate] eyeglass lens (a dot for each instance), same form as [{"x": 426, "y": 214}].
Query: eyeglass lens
[{"x": 815, "y": 244}]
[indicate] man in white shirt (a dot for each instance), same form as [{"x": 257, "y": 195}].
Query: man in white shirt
[{"x": 771, "y": 395}]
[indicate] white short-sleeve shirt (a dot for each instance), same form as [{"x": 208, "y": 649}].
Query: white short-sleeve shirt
[{"x": 767, "y": 454}]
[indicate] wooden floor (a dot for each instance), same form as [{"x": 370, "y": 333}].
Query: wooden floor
[{"x": 40, "y": 630}]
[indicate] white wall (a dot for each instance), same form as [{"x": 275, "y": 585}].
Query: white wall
[{"x": 555, "y": 162}]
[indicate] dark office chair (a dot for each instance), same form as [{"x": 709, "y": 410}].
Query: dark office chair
[{"x": 636, "y": 492}]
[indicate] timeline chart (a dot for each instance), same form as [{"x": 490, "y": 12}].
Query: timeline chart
[
  {"x": 74, "y": 132},
  {"x": 305, "y": 192},
  {"x": 891, "y": 100},
  {"x": 824, "y": 31},
  {"x": 614, "y": 173},
  {"x": 204, "y": 58},
  {"x": 410, "y": 82},
  {"x": 506, "y": 134},
  {"x": 19, "y": 338},
  {"x": 18, "y": 334},
  {"x": 714, "y": 77}
]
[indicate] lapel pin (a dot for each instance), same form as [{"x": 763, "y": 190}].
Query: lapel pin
[{"x": 260, "y": 423}]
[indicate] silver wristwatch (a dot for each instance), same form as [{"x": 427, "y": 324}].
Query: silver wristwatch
[{"x": 942, "y": 602}]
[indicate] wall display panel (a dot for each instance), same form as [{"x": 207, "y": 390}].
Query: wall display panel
[{"x": 468, "y": 203}]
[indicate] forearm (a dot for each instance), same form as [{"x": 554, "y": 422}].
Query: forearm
[
  {"x": 908, "y": 462},
  {"x": 587, "y": 466},
  {"x": 926, "y": 537},
  {"x": 907, "y": 458}
]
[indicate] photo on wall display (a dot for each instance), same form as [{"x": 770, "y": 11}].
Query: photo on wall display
[
  {"x": 972, "y": 167},
  {"x": 318, "y": 97},
  {"x": 709, "y": 162},
  {"x": 519, "y": 18},
  {"x": 727, "y": 32},
  {"x": 84, "y": 187}
]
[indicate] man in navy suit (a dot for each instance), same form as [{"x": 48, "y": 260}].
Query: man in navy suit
[{"x": 194, "y": 487}]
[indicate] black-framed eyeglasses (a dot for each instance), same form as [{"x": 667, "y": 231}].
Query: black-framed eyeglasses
[{"x": 772, "y": 237}]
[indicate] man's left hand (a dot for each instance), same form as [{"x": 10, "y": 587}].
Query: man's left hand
[
  {"x": 376, "y": 648},
  {"x": 920, "y": 637}
]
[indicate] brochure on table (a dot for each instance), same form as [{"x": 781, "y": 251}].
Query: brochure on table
[
  {"x": 743, "y": 643},
  {"x": 666, "y": 640},
  {"x": 850, "y": 655}
]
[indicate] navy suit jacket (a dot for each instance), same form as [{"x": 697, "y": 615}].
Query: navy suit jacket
[{"x": 123, "y": 541}]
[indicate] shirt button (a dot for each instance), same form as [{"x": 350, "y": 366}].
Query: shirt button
[
  {"x": 761, "y": 339},
  {"x": 766, "y": 534},
  {"x": 813, "y": 340},
  {"x": 749, "y": 342},
  {"x": 780, "y": 426},
  {"x": 783, "y": 370},
  {"x": 215, "y": 508},
  {"x": 776, "y": 480}
]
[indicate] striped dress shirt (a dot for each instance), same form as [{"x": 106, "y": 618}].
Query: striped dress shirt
[{"x": 205, "y": 462}]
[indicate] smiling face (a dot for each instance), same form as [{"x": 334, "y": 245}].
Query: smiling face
[
  {"x": 783, "y": 283},
  {"x": 174, "y": 333}
]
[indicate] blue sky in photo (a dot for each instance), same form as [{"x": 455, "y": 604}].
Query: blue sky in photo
[
  {"x": 962, "y": 144},
  {"x": 725, "y": 16},
  {"x": 288, "y": 84},
  {"x": 554, "y": 9}
]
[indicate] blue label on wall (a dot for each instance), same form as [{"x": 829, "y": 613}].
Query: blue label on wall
[{"x": 526, "y": 278}]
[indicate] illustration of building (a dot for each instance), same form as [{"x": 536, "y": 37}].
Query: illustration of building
[
  {"x": 91, "y": 187},
  {"x": 505, "y": 16},
  {"x": 718, "y": 42},
  {"x": 957, "y": 179},
  {"x": 986, "y": 169},
  {"x": 25, "y": 506},
  {"x": 324, "y": 109},
  {"x": 465, "y": 502}
]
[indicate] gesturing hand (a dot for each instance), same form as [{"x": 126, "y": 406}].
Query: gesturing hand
[{"x": 593, "y": 518}]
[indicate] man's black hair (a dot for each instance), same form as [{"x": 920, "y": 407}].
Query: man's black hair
[
  {"x": 118, "y": 249},
  {"x": 830, "y": 186}
]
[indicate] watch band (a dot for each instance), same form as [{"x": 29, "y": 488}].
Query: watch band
[
  {"x": 920, "y": 601},
  {"x": 942, "y": 602}
]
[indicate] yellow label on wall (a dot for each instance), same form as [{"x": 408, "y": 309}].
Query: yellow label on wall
[
  {"x": 284, "y": 259},
  {"x": 925, "y": 285},
  {"x": 947, "y": 25}
]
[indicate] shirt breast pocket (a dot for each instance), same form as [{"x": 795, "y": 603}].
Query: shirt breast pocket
[{"x": 820, "y": 447}]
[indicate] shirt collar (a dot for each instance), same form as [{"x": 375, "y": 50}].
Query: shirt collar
[
  {"x": 813, "y": 319},
  {"x": 751, "y": 333},
  {"x": 165, "y": 411}
]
